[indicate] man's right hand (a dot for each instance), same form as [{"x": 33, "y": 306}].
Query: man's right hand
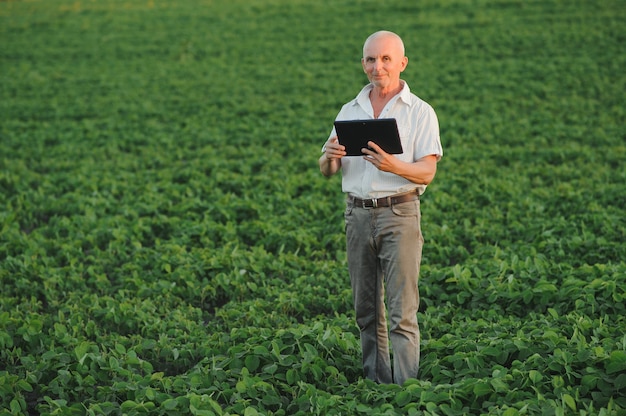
[
  {"x": 334, "y": 150},
  {"x": 330, "y": 162}
]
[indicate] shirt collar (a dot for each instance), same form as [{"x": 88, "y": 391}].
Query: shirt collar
[{"x": 363, "y": 97}]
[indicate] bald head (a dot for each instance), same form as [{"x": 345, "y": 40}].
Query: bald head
[{"x": 385, "y": 34}]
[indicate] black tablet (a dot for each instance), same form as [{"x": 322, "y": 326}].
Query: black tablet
[{"x": 354, "y": 135}]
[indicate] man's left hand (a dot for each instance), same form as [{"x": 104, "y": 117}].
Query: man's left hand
[{"x": 378, "y": 157}]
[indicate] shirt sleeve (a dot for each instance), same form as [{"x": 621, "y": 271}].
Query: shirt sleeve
[{"x": 428, "y": 141}]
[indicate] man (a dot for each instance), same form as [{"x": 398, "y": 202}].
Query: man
[{"x": 384, "y": 239}]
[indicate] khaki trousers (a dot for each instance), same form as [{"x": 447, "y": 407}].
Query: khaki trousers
[{"x": 384, "y": 247}]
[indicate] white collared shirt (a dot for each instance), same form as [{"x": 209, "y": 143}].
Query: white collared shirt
[{"x": 419, "y": 132}]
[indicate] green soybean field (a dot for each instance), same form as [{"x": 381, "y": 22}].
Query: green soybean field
[{"x": 168, "y": 245}]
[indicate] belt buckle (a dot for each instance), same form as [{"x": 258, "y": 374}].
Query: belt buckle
[{"x": 374, "y": 203}]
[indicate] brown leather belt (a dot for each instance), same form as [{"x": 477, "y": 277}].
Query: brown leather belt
[{"x": 385, "y": 201}]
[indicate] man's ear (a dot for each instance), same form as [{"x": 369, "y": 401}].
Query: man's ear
[{"x": 405, "y": 63}]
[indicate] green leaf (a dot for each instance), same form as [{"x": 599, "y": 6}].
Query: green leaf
[
  {"x": 499, "y": 385},
  {"x": 24, "y": 385},
  {"x": 510, "y": 412},
  {"x": 616, "y": 362},
  {"x": 271, "y": 368},
  {"x": 81, "y": 351},
  {"x": 114, "y": 363},
  {"x": 261, "y": 350},
  {"x": 553, "y": 313},
  {"x": 270, "y": 399},
  {"x": 292, "y": 376},
  {"x": 403, "y": 398},
  {"x": 15, "y": 407},
  {"x": 150, "y": 394},
  {"x": 250, "y": 411},
  {"x": 620, "y": 382},
  {"x": 241, "y": 387},
  {"x": 128, "y": 405},
  {"x": 482, "y": 388},
  {"x": 361, "y": 408},
  {"x": 157, "y": 376},
  {"x": 252, "y": 362},
  {"x": 569, "y": 401},
  {"x": 170, "y": 404},
  {"x": 535, "y": 376},
  {"x": 200, "y": 412},
  {"x": 589, "y": 381}
]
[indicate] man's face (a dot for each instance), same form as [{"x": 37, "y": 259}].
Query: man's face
[{"x": 383, "y": 61}]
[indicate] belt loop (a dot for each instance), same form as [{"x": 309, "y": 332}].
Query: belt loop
[{"x": 374, "y": 203}]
